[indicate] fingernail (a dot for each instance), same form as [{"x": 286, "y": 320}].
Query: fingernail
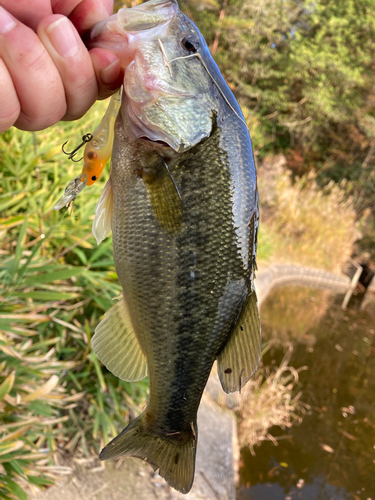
[
  {"x": 111, "y": 72},
  {"x": 6, "y": 21},
  {"x": 63, "y": 38}
]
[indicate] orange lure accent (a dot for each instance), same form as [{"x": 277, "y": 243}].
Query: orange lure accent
[{"x": 98, "y": 151}]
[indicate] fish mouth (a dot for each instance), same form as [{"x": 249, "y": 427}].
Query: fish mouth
[{"x": 157, "y": 142}]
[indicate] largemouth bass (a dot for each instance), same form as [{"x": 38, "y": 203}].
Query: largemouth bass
[{"x": 182, "y": 204}]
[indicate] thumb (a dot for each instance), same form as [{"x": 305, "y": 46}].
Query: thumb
[{"x": 109, "y": 74}]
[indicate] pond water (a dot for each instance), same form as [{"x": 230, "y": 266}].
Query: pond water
[{"x": 331, "y": 454}]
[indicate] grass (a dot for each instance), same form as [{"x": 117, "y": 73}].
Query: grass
[
  {"x": 270, "y": 399},
  {"x": 55, "y": 285},
  {"x": 302, "y": 223},
  {"x": 293, "y": 312}
]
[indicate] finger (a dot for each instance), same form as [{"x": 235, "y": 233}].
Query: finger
[
  {"x": 84, "y": 13},
  {"x": 28, "y": 13},
  {"x": 36, "y": 80},
  {"x": 108, "y": 71},
  {"x": 9, "y": 103},
  {"x": 73, "y": 62}
]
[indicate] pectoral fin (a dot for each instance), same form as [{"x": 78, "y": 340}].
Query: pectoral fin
[
  {"x": 117, "y": 346},
  {"x": 163, "y": 196},
  {"x": 102, "y": 224},
  {"x": 239, "y": 359}
]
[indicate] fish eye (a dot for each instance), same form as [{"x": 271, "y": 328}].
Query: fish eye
[
  {"x": 93, "y": 178},
  {"x": 189, "y": 45}
]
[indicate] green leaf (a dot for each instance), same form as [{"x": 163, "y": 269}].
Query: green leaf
[
  {"x": 33, "y": 173},
  {"x": 7, "y": 385},
  {"x": 55, "y": 276},
  {"x": 6, "y": 448},
  {"x": 103, "y": 247},
  {"x": 12, "y": 201},
  {"x": 11, "y": 222},
  {"x": 39, "y": 481},
  {"x": 16, "y": 467},
  {"x": 20, "y": 242},
  {"x": 98, "y": 370},
  {"x": 3, "y": 496},
  {"x": 47, "y": 296},
  {"x": 41, "y": 408},
  {"x": 15, "y": 489},
  {"x": 103, "y": 303},
  {"x": 33, "y": 253},
  {"x": 103, "y": 263},
  {"x": 81, "y": 255}
]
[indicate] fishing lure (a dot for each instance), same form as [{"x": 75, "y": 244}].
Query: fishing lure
[{"x": 97, "y": 152}]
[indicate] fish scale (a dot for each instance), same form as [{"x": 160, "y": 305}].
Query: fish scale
[
  {"x": 184, "y": 218},
  {"x": 192, "y": 305}
]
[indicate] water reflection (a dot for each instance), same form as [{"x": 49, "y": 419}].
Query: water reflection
[{"x": 331, "y": 455}]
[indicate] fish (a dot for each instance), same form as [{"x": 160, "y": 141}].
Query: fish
[
  {"x": 96, "y": 154},
  {"x": 182, "y": 205}
]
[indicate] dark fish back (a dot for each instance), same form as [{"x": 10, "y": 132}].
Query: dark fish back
[{"x": 185, "y": 291}]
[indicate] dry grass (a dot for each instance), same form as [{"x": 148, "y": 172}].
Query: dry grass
[
  {"x": 33, "y": 404},
  {"x": 268, "y": 401},
  {"x": 56, "y": 399},
  {"x": 294, "y": 312},
  {"x": 301, "y": 223}
]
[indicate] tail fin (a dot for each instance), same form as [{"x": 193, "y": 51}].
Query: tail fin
[{"x": 173, "y": 454}]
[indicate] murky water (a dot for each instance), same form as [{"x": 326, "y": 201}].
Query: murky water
[{"x": 331, "y": 455}]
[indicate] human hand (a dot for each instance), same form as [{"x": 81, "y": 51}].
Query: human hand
[{"x": 46, "y": 72}]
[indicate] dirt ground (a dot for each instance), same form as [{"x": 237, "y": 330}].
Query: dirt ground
[
  {"x": 126, "y": 480},
  {"x": 132, "y": 479}
]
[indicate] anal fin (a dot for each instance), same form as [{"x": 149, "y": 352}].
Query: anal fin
[
  {"x": 239, "y": 358},
  {"x": 117, "y": 346}
]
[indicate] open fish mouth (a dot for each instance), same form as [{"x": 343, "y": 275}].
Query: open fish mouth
[
  {"x": 168, "y": 96},
  {"x": 158, "y": 142}
]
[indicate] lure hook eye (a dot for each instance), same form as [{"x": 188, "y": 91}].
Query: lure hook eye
[{"x": 86, "y": 138}]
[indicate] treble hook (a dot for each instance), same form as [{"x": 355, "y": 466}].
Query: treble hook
[{"x": 85, "y": 138}]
